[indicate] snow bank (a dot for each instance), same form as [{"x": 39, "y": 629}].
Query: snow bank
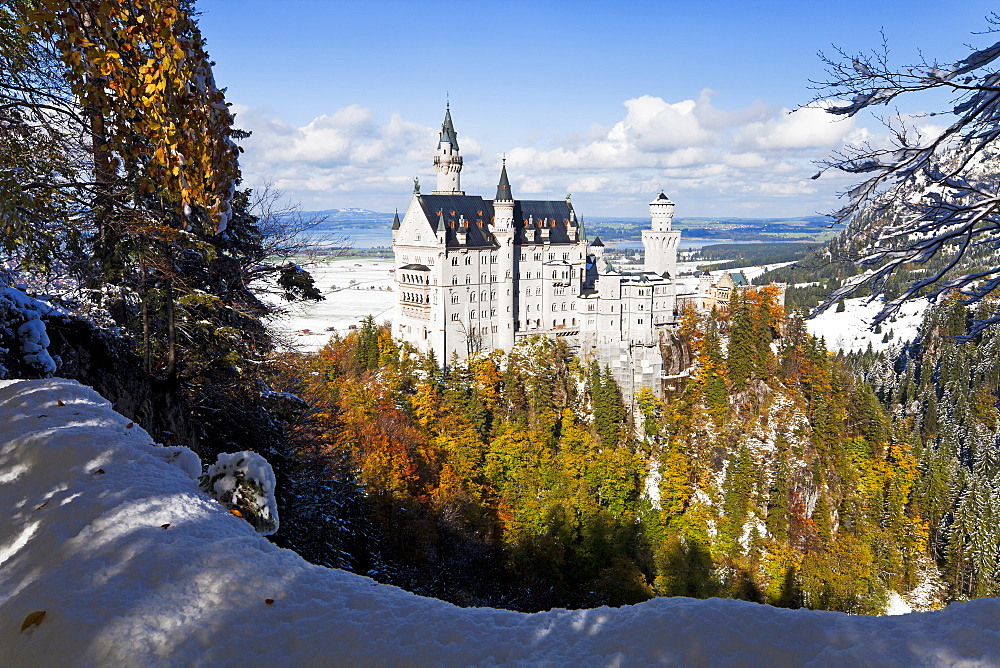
[{"x": 132, "y": 564}]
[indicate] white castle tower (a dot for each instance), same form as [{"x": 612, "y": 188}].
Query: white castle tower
[
  {"x": 447, "y": 161},
  {"x": 661, "y": 241}
]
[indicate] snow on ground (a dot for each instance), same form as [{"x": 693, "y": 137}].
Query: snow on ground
[
  {"x": 132, "y": 564},
  {"x": 346, "y": 303},
  {"x": 849, "y": 329}
]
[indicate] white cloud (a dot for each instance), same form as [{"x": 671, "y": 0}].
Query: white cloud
[{"x": 710, "y": 160}]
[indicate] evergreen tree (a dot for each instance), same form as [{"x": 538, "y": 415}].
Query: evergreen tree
[{"x": 742, "y": 348}]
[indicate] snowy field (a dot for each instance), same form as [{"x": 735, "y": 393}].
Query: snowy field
[
  {"x": 311, "y": 325},
  {"x": 111, "y": 555},
  {"x": 346, "y": 302},
  {"x": 850, "y": 329}
]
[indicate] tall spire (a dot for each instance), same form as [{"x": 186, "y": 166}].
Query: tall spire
[
  {"x": 503, "y": 188},
  {"x": 395, "y": 221},
  {"x": 448, "y": 133}
]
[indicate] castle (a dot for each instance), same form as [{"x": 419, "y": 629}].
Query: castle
[{"x": 476, "y": 275}]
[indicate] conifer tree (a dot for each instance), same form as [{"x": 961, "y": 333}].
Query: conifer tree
[{"x": 742, "y": 348}]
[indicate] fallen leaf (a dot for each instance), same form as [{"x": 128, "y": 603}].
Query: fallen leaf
[
  {"x": 164, "y": 526},
  {"x": 269, "y": 601},
  {"x": 44, "y": 503},
  {"x": 130, "y": 425},
  {"x": 41, "y": 416},
  {"x": 99, "y": 472},
  {"x": 59, "y": 402},
  {"x": 236, "y": 512},
  {"x": 34, "y": 619}
]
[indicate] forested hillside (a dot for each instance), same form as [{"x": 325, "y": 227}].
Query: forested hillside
[
  {"x": 942, "y": 391},
  {"x": 773, "y": 474}
]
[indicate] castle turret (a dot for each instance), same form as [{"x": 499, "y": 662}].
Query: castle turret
[
  {"x": 447, "y": 161},
  {"x": 503, "y": 231},
  {"x": 661, "y": 241}
]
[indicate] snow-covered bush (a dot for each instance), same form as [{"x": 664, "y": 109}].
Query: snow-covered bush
[
  {"x": 22, "y": 320},
  {"x": 244, "y": 483}
]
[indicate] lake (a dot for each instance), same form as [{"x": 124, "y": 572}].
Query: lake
[{"x": 366, "y": 237}]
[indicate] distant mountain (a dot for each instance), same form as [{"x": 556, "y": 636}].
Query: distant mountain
[{"x": 348, "y": 217}]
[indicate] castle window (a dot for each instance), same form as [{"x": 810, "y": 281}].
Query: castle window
[
  {"x": 493, "y": 294},
  {"x": 454, "y": 280},
  {"x": 472, "y": 314},
  {"x": 484, "y": 259},
  {"x": 472, "y": 297},
  {"x": 523, "y": 257},
  {"x": 555, "y": 274},
  {"x": 454, "y": 261},
  {"x": 538, "y": 290},
  {"x": 483, "y": 297},
  {"x": 468, "y": 259},
  {"x": 493, "y": 259},
  {"x": 494, "y": 329},
  {"x": 574, "y": 322},
  {"x": 454, "y": 316},
  {"x": 563, "y": 307},
  {"x": 553, "y": 307},
  {"x": 468, "y": 279},
  {"x": 565, "y": 256},
  {"x": 590, "y": 307},
  {"x": 493, "y": 312},
  {"x": 538, "y": 256},
  {"x": 552, "y": 256},
  {"x": 572, "y": 306},
  {"x": 640, "y": 321},
  {"x": 483, "y": 278},
  {"x": 493, "y": 278}
]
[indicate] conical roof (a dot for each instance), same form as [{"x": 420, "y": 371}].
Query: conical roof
[
  {"x": 448, "y": 133},
  {"x": 395, "y": 221},
  {"x": 503, "y": 188},
  {"x": 597, "y": 242}
]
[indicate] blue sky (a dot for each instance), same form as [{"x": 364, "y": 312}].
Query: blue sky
[{"x": 607, "y": 101}]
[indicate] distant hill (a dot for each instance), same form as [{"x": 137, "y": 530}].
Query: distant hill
[{"x": 805, "y": 228}]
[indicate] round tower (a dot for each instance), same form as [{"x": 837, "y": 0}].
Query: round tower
[
  {"x": 661, "y": 242},
  {"x": 661, "y": 211},
  {"x": 447, "y": 160}
]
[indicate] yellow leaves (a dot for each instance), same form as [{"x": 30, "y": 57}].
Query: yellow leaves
[
  {"x": 34, "y": 619},
  {"x": 236, "y": 512},
  {"x": 144, "y": 67}
]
